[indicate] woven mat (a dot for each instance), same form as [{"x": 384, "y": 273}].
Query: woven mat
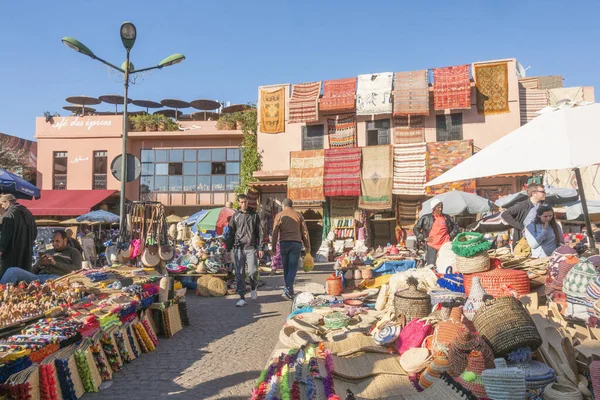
[
  {"x": 342, "y": 172},
  {"x": 376, "y": 178},
  {"x": 339, "y": 96},
  {"x": 365, "y": 366},
  {"x": 441, "y": 156},
  {"x": 305, "y": 182},
  {"x": 342, "y": 132},
  {"x": 272, "y": 110},
  {"x": 410, "y": 129},
  {"x": 374, "y": 94},
  {"x": 304, "y": 102},
  {"x": 390, "y": 387},
  {"x": 531, "y": 101},
  {"x": 410, "y": 169},
  {"x": 342, "y": 207},
  {"x": 492, "y": 88},
  {"x": 550, "y": 82},
  {"x": 411, "y": 93},
  {"x": 353, "y": 342},
  {"x": 452, "y": 88}
]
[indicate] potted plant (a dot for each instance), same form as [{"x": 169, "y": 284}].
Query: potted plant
[
  {"x": 138, "y": 122},
  {"x": 161, "y": 122},
  {"x": 151, "y": 124},
  {"x": 226, "y": 122}
]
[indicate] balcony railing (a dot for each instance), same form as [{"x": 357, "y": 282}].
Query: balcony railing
[
  {"x": 60, "y": 182},
  {"x": 99, "y": 182}
]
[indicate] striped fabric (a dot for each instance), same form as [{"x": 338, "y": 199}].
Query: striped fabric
[
  {"x": 411, "y": 93},
  {"x": 342, "y": 132},
  {"x": 409, "y": 129},
  {"x": 304, "y": 102},
  {"x": 407, "y": 211},
  {"x": 531, "y": 101},
  {"x": 342, "y": 172},
  {"x": 409, "y": 169},
  {"x": 452, "y": 88},
  {"x": 339, "y": 96}
]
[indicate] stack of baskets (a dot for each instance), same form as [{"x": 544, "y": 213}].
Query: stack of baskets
[
  {"x": 471, "y": 252},
  {"x": 412, "y": 302}
]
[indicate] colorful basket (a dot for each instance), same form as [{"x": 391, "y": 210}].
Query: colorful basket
[
  {"x": 475, "y": 299},
  {"x": 447, "y": 331},
  {"x": 537, "y": 375},
  {"x": 503, "y": 383},
  {"x": 336, "y": 320},
  {"x": 499, "y": 281},
  {"x": 451, "y": 281},
  {"x": 463, "y": 345},
  {"x": 412, "y": 302}
]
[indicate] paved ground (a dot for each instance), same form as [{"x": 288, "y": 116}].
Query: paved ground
[{"x": 219, "y": 356}]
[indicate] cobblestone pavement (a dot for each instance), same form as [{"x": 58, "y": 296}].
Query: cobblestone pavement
[{"x": 219, "y": 356}]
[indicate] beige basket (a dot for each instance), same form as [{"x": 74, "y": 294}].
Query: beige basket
[{"x": 480, "y": 262}]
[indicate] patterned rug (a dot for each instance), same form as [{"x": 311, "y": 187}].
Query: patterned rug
[
  {"x": 342, "y": 132},
  {"x": 374, "y": 94},
  {"x": 451, "y": 88},
  {"x": 339, "y": 96},
  {"x": 409, "y": 129},
  {"x": 410, "y": 169},
  {"x": 573, "y": 94},
  {"x": 550, "y": 82},
  {"x": 305, "y": 182},
  {"x": 342, "y": 172},
  {"x": 411, "y": 93},
  {"x": 492, "y": 88},
  {"x": 531, "y": 101},
  {"x": 304, "y": 102},
  {"x": 376, "y": 178},
  {"x": 407, "y": 211},
  {"x": 272, "y": 110},
  {"x": 343, "y": 207},
  {"x": 441, "y": 156}
]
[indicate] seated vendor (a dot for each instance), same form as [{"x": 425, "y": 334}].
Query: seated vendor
[
  {"x": 543, "y": 235},
  {"x": 62, "y": 260}
]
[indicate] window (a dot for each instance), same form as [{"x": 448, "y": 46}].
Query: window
[
  {"x": 312, "y": 137},
  {"x": 233, "y": 154},
  {"x": 218, "y": 154},
  {"x": 448, "y": 127},
  {"x": 378, "y": 132},
  {"x": 59, "y": 172},
  {"x": 175, "y": 168},
  {"x": 189, "y": 155},
  {"x": 176, "y": 155},
  {"x": 217, "y": 168},
  {"x": 203, "y": 155},
  {"x": 100, "y": 170}
]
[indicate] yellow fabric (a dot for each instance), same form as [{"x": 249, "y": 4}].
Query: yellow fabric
[
  {"x": 522, "y": 248},
  {"x": 272, "y": 110},
  {"x": 376, "y": 282}
]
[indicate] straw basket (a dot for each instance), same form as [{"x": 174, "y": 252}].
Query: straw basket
[
  {"x": 506, "y": 325},
  {"x": 336, "y": 320},
  {"x": 443, "y": 296},
  {"x": 496, "y": 281},
  {"x": 480, "y": 262},
  {"x": 557, "y": 391},
  {"x": 503, "y": 383},
  {"x": 411, "y": 302},
  {"x": 334, "y": 286},
  {"x": 171, "y": 320},
  {"x": 216, "y": 287},
  {"x": 202, "y": 288}
]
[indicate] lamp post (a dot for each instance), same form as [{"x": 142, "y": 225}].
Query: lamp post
[{"x": 128, "y": 36}]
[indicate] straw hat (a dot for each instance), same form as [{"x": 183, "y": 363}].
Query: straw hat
[
  {"x": 578, "y": 279},
  {"x": 436, "y": 368},
  {"x": 463, "y": 345},
  {"x": 415, "y": 360},
  {"x": 503, "y": 383},
  {"x": 471, "y": 379}
]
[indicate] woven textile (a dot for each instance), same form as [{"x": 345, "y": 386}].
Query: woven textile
[
  {"x": 272, "y": 110},
  {"x": 550, "y": 82},
  {"x": 531, "y": 101},
  {"x": 573, "y": 94},
  {"x": 409, "y": 129},
  {"x": 376, "y": 178},
  {"x": 451, "y": 88},
  {"x": 411, "y": 93},
  {"x": 339, "y": 96},
  {"x": 410, "y": 169},
  {"x": 343, "y": 207},
  {"x": 529, "y": 83},
  {"x": 441, "y": 156},
  {"x": 408, "y": 211},
  {"x": 342, "y": 172},
  {"x": 342, "y": 132},
  {"x": 304, "y": 102},
  {"x": 492, "y": 88},
  {"x": 374, "y": 94},
  {"x": 305, "y": 182}
]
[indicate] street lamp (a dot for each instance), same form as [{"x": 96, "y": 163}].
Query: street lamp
[{"x": 128, "y": 36}]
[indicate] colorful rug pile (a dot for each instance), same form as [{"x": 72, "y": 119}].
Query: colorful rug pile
[
  {"x": 376, "y": 178},
  {"x": 492, "y": 88},
  {"x": 342, "y": 172},
  {"x": 305, "y": 182},
  {"x": 342, "y": 132},
  {"x": 343, "y": 207},
  {"x": 531, "y": 101},
  {"x": 441, "y": 156},
  {"x": 409, "y": 129},
  {"x": 304, "y": 102},
  {"x": 374, "y": 94},
  {"x": 272, "y": 110},
  {"x": 339, "y": 96},
  {"x": 411, "y": 93},
  {"x": 451, "y": 88},
  {"x": 410, "y": 169}
]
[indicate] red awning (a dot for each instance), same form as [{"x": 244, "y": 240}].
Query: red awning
[{"x": 66, "y": 202}]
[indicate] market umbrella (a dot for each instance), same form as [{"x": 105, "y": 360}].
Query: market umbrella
[
  {"x": 223, "y": 219},
  {"x": 114, "y": 99},
  {"x": 82, "y": 102},
  {"x": 457, "y": 202},
  {"x": 173, "y": 219},
  {"x": 17, "y": 186},
  {"x": 191, "y": 220},
  {"x": 567, "y": 138},
  {"x": 554, "y": 196},
  {"x": 215, "y": 220},
  {"x": 574, "y": 210},
  {"x": 72, "y": 221},
  {"x": 147, "y": 104},
  {"x": 491, "y": 223},
  {"x": 99, "y": 216}
]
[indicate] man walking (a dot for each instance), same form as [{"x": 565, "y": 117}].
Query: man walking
[
  {"x": 435, "y": 229},
  {"x": 289, "y": 229},
  {"x": 523, "y": 213},
  {"x": 19, "y": 232},
  {"x": 244, "y": 238}
]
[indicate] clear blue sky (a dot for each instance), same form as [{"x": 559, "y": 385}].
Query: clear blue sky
[{"x": 232, "y": 47}]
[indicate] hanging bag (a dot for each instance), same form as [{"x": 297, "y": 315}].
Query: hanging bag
[
  {"x": 451, "y": 281},
  {"x": 165, "y": 251},
  {"x": 150, "y": 257}
]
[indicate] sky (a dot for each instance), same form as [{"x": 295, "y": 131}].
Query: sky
[{"x": 232, "y": 46}]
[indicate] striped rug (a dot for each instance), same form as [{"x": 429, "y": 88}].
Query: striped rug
[
  {"x": 304, "y": 102},
  {"x": 339, "y": 96},
  {"x": 342, "y": 172},
  {"x": 531, "y": 101},
  {"x": 411, "y": 93},
  {"x": 342, "y": 132},
  {"x": 407, "y": 211},
  {"x": 410, "y": 169},
  {"x": 409, "y": 129}
]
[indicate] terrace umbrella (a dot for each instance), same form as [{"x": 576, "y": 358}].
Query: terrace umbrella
[
  {"x": 173, "y": 219},
  {"x": 215, "y": 219},
  {"x": 574, "y": 210},
  {"x": 457, "y": 202},
  {"x": 569, "y": 135},
  {"x": 99, "y": 216},
  {"x": 554, "y": 196},
  {"x": 191, "y": 220},
  {"x": 17, "y": 186}
]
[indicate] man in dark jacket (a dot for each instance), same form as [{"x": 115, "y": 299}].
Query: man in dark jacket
[
  {"x": 245, "y": 237},
  {"x": 435, "y": 229},
  {"x": 523, "y": 213},
  {"x": 18, "y": 234}
]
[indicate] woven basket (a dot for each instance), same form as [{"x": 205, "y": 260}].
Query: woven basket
[
  {"x": 334, "y": 286},
  {"x": 202, "y": 288},
  {"x": 497, "y": 281},
  {"x": 475, "y": 299},
  {"x": 506, "y": 325},
  {"x": 171, "y": 320},
  {"x": 336, "y": 320},
  {"x": 216, "y": 287},
  {"x": 558, "y": 391},
  {"x": 537, "y": 375},
  {"x": 415, "y": 360},
  {"x": 411, "y": 302},
  {"x": 447, "y": 331},
  {"x": 463, "y": 345},
  {"x": 502, "y": 383},
  {"x": 480, "y": 262},
  {"x": 441, "y": 296}
]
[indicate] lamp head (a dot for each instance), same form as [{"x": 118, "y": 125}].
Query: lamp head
[
  {"x": 78, "y": 46},
  {"x": 171, "y": 60},
  {"x": 124, "y": 66},
  {"x": 128, "y": 34}
]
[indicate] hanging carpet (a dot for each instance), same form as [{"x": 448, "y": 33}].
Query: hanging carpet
[
  {"x": 343, "y": 207},
  {"x": 272, "y": 110},
  {"x": 304, "y": 102},
  {"x": 376, "y": 178},
  {"x": 441, "y": 156},
  {"x": 305, "y": 182},
  {"x": 411, "y": 93},
  {"x": 342, "y": 132},
  {"x": 410, "y": 169},
  {"x": 374, "y": 94},
  {"x": 451, "y": 88},
  {"x": 342, "y": 172},
  {"x": 531, "y": 101},
  {"x": 409, "y": 129},
  {"x": 339, "y": 96},
  {"x": 492, "y": 88}
]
